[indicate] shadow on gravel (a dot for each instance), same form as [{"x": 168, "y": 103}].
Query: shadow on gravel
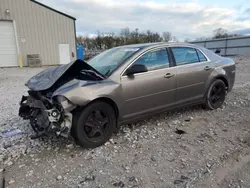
[
  {"x": 179, "y": 114},
  {"x": 21, "y": 145}
]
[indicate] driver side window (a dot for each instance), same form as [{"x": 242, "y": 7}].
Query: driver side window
[{"x": 154, "y": 60}]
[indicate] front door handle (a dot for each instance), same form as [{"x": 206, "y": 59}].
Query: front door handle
[
  {"x": 207, "y": 68},
  {"x": 168, "y": 75}
]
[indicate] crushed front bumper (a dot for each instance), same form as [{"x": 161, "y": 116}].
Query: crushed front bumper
[{"x": 46, "y": 117}]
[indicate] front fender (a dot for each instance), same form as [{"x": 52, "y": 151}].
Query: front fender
[{"x": 81, "y": 93}]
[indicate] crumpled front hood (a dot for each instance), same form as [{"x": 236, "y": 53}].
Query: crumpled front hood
[
  {"x": 71, "y": 85},
  {"x": 47, "y": 78},
  {"x": 57, "y": 76}
]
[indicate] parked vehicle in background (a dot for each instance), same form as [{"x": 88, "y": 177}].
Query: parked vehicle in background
[{"x": 124, "y": 84}]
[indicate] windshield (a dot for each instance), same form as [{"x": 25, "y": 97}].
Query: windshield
[{"x": 106, "y": 62}]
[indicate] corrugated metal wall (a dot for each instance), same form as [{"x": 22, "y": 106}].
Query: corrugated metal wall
[
  {"x": 39, "y": 29},
  {"x": 228, "y": 46}
]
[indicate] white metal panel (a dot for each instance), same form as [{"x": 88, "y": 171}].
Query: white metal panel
[
  {"x": 216, "y": 44},
  {"x": 200, "y": 44},
  {"x": 64, "y": 53},
  {"x": 238, "y": 42},
  {"x": 39, "y": 30},
  {"x": 8, "y": 48}
]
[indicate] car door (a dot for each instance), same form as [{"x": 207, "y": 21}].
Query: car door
[
  {"x": 152, "y": 90},
  {"x": 193, "y": 70}
]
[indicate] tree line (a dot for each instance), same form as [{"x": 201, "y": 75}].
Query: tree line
[
  {"x": 219, "y": 34},
  {"x": 103, "y": 41}
]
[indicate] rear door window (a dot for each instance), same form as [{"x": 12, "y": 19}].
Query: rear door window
[{"x": 185, "y": 55}]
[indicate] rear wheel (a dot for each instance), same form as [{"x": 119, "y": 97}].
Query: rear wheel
[
  {"x": 94, "y": 125},
  {"x": 216, "y": 95}
]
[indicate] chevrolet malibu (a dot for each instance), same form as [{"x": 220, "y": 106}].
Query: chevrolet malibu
[{"x": 90, "y": 100}]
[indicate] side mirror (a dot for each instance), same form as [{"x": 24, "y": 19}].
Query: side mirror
[{"x": 136, "y": 68}]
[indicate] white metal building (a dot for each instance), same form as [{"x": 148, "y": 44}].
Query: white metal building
[{"x": 29, "y": 27}]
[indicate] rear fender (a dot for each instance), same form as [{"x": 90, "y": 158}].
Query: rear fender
[{"x": 218, "y": 73}]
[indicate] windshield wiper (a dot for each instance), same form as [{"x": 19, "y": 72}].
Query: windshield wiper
[
  {"x": 92, "y": 74},
  {"x": 106, "y": 74}
]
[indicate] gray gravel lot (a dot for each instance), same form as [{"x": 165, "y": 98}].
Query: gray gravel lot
[{"x": 215, "y": 152}]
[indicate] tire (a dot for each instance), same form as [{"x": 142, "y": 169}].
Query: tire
[
  {"x": 215, "y": 95},
  {"x": 87, "y": 125}
]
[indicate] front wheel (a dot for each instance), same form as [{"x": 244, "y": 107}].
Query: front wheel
[
  {"x": 216, "y": 95},
  {"x": 94, "y": 125}
]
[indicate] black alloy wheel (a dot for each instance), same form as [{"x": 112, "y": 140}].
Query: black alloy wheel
[
  {"x": 216, "y": 95},
  {"x": 94, "y": 125}
]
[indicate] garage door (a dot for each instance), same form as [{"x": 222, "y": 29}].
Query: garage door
[{"x": 8, "y": 49}]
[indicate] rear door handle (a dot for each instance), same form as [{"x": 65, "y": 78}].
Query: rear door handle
[
  {"x": 207, "y": 68},
  {"x": 168, "y": 75}
]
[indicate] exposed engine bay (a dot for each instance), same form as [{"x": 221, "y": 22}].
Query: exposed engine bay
[
  {"x": 47, "y": 109},
  {"x": 46, "y": 116}
]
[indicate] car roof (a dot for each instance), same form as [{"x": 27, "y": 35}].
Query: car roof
[{"x": 156, "y": 44}]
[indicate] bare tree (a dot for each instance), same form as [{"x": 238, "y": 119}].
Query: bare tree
[
  {"x": 80, "y": 40},
  {"x": 174, "y": 39},
  {"x": 220, "y": 33},
  {"x": 125, "y": 33},
  {"x": 99, "y": 41},
  {"x": 108, "y": 40},
  {"x": 166, "y": 36}
]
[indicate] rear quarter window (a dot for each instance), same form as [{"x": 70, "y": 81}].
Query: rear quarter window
[{"x": 201, "y": 56}]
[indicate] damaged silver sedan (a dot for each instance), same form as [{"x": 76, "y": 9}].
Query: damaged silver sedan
[{"x": 90, "y": 100}]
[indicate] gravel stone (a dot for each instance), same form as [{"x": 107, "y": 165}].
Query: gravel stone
[
  {"x": 119, "y": 184},
  {"x": 153, "y": 158},
  {"x": 21, "y": 166},
  {"x": 11, "y": 181},
  {"x": 59, "y": 177},
  {"x": 10, "y": 163},
  {"x": 70, "y": 146},
  {"x": 149, "y": 150}
]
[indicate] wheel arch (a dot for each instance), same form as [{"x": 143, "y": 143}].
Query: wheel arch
[
  {"x": 224, "y": 79},
  {"x": 212, "y": 79},
  {"x": 111, "y": 102},
  {"x": 83, "y": 112}
]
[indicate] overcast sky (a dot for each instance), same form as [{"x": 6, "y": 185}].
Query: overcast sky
[{"x": 183, "y": 18}]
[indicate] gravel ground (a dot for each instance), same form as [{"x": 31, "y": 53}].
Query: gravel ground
[{"x": 214, "y": 152}]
